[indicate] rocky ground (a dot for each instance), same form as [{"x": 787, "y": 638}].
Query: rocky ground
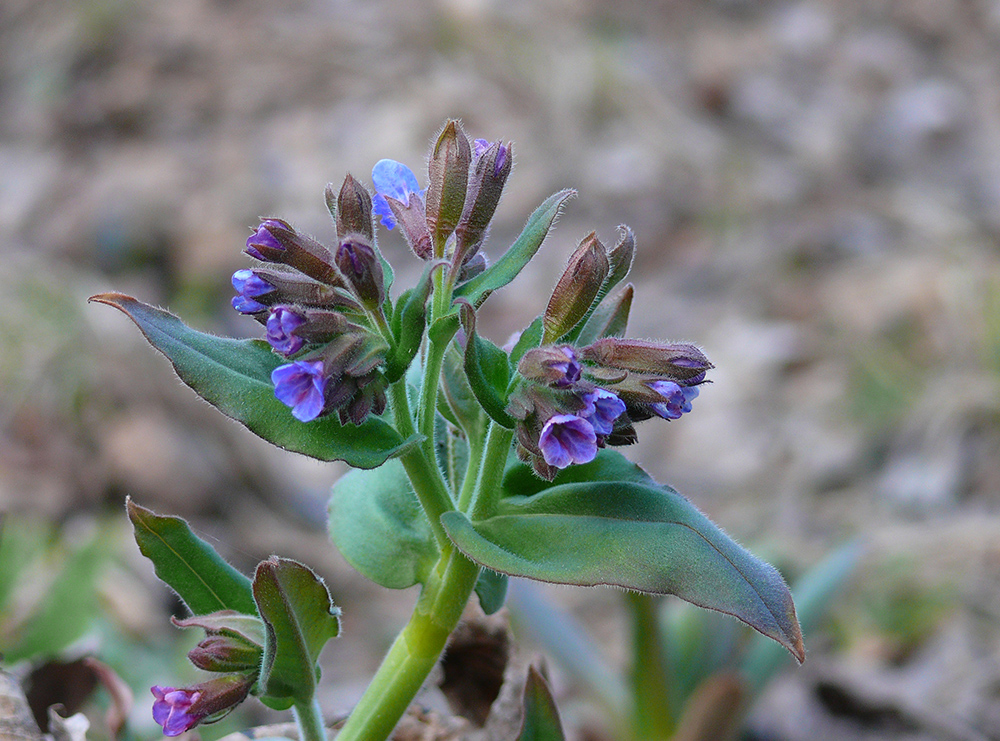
[{"x": 815, "y": 189}]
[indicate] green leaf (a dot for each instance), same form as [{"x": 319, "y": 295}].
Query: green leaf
[
  {"x": 813, "y": 595},
  {"x": 488, "y": 371},
  {"x": 235, "y": 377},
  {"x": 491, "y": 588},
  {"x": 189, "y": 565},
  {"x": 530, "y": 337},
  {"x": 408, "y": 323},
  {"x": 68, "y": 607},
  {"x": 609, "y": 319},
  {"x": 300, "y": 618},
  {"x": 504, "y": 270},
  {"x": 377, "y": 523},
  {"x": 541, "y": 717},
  {"x": 639, "y": 536}
]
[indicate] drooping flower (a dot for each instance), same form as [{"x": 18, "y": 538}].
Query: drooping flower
[
  {"x": 567, "y": 439},
  {"x": 181, "y": 709},
  {"x": 676, "y": 398},
  {"x": 603, "y": 408},
  {"x": 301, "y": 385},
  {"x": 172, "y": 709},
  {"x": 249, "y": 286},
  {"x": 281, "y": 325},
  {"x": 393, "y": 179}
]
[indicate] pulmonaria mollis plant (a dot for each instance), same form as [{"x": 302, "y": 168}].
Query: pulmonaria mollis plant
[{"x": 471, "y": 462}]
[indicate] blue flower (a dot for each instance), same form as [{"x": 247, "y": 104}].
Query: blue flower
[
  {"x": 249, "y": 286},
  {"x": 281, "y": 325},
  {"x": 603, "y": 408},
  {"x": 676, "y": 399},
  {"x": 566, "y": 439},
  {"x": 393, "y": 179},
  {"x": 569, "y": 369},
  {"x": 302, "y": 386}
]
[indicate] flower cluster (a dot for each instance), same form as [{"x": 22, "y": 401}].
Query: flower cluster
[
  {"x": 322, "y": 309},
  {"x": 449, "y": 218},
  {"x": 229, "y": 650},
  {"x": 574, "y": 401}
]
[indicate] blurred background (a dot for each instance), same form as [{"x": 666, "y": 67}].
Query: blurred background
[{"x": 815, "y": 190}]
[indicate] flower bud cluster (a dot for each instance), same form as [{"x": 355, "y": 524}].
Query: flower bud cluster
[
  {"x": 451, "y": 216},
  {"x": 229, "y": 650},
  {"x": 320, "y": 308},
  {"x": 573, "y": 401}
]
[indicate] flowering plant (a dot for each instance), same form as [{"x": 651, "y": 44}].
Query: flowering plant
[{"x": 471, "y": 462}]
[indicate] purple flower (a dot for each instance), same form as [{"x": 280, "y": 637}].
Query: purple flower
[
  {"x": 281, "y": 325},
  {"x": 249, "y": 286},
  {"x": 172, "y": 709},
  {"x": 264, "y": 238},
  {"x": 566, "y": 439},
  {"x": 302, "y": 386},
  {"x": 481, "y": 146},
  {"x": 569, "y": 368},
  {"x": 603, "y": 408},
  {"x": 676, "y": 399},
  {"x": 393, "y": 179}
]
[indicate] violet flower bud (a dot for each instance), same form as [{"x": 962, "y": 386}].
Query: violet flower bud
[
  {"x": 276, "y": 241},
  {"x": 491, "y": 166},
  {"x": 554, "y": 366},
  {"x": 681, "y": 362},
  {"x": 181, "y": 709},
  {"x": 262, "y": 245},
  {"x": 301, "y": 385},
  {"x": 281, "y": 325},
  {"x": 577, "y": 288},
  {"x": 226, "y": 653},
  {"x": 676, "y": 399},
  {"x": 360, "y": 265},
  {"x": 353, "y": 210},
  {"x": 567, "y": 439},
  {"x": 447, "y": 182},
  {"x": 249, "y": 286}
]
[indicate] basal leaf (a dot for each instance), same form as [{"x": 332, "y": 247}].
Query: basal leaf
[
  {"x": 377, "y": 523},
  {"x": 300, "y": 618},
  {"x": 639, "y": 536},
  {"x": 235, "y": 377},
  {"x": 504, "y": 270},
  {"x": 541, "y": 718},
  {"x": 189, "y": 565}
]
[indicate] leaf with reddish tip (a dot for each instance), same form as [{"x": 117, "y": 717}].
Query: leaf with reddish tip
[
  {"x": 234, "y": 376},
  {"x": 189, "y": 565},
  {"x": 633, "y": 533}
]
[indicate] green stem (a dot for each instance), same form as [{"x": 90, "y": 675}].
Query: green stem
[
  {"x": 471, "y": 471},
  {"x": 491, "y": 474},
  {"x": 423, "y": 474},
  {"x": 652, "y": 718},
  {"x": 414, "y": 652},
  {"x": 310, "y": 721}
]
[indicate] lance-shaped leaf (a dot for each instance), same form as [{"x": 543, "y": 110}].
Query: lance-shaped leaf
[
  {"x": 189, "y": 565},
  {"x": 488, "y": 370},
  {"x": 377, "y": 523},
  {"x": 234, "y": 376},
  {"x": 300, "y": 618},
  {"x": 635, "y": 535},
  {"x": 541, "y": 718},
  {"x": 504, "y": 270}
]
